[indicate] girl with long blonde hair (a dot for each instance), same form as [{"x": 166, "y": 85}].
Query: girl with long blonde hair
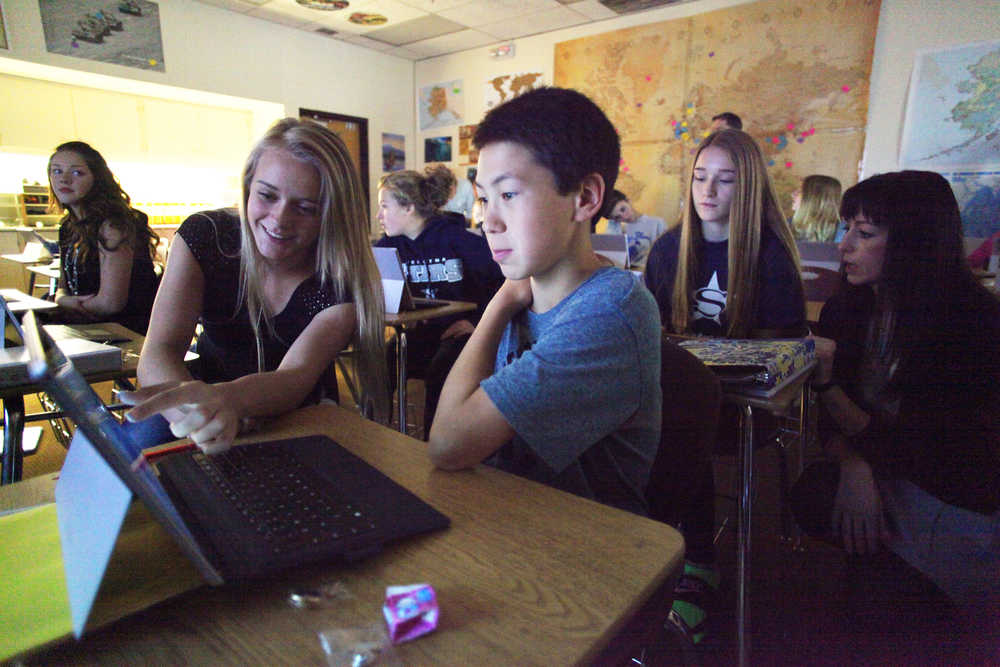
[
  {"x": 731, "y": 269},
  {"x": 281, "y": 288},
  {"x": 816, "y": 208}
]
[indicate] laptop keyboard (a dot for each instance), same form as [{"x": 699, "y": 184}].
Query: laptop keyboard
[{"x": 282, "y": 499}]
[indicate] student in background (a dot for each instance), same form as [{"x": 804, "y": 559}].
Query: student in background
[
  {"x": 560, "y": 380},
  {"x": 280, "y": 288},
  {"x": 726, "y": 120},
  {"x": 106, "y": 247},
  {"x": 730, "y": 269},
  {"x": 816, "y": 209},
  {"x": 909, "y": 384},
  {"x": 464, "y": 197},
  {"x": 441, "y": 260},
  {"x": 641, "y": 230}
]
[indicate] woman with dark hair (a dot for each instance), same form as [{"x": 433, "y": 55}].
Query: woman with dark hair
[
  {"x": 106, "y": 247},
  {"x": 909, "y": 353}
]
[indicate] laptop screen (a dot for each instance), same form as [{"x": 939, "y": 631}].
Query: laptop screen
[
  {"x": 10, "y": 320},
  {"x": 49, "y": 366}
]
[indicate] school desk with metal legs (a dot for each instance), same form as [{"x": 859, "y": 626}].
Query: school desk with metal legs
[
  {"x": 14, "y": 417},
  {"x": 400, "y": 322},
  {"x": 781, "y": 403},
  {"x": 525, "y": 574}
]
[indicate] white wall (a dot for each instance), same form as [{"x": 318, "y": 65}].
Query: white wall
[
  {"x": 905, "y": 26},
  {"x": 207, "y": 49}
]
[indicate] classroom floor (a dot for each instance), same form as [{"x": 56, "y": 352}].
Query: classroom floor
[{"x": 808, "y": 606}]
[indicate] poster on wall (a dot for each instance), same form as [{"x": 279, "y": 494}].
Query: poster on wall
[
  {"x": 467, "y": 154},
  {"x": 393, "y": 152},
  {"x": 3, "y": 30},
  {"x": 505, "y": 87},
  {"x": 953, "y": 111},
  {"x": 437, "y": 149},
  {"x": 441, "y": 104},
  {"x": 126, "y": 32},
  {"x": 978, "y": 195},
  {"x": 802, "y": 92}
]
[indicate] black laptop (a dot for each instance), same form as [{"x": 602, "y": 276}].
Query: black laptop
[{"x": 253, "y": 509}]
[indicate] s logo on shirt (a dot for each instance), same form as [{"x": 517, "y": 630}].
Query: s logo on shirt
[{"x": 709, "y": 302}]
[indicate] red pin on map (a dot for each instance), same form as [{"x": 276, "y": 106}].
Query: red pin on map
[{"x": 846, "y": 89}]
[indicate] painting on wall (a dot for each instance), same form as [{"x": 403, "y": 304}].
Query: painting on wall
[
  {"x": 978, "y": 195},
  {"x": 441, "y": 104},
  {"x": 802, "y": 93},
  {"x": 393, "y": 152},
  {"x": 467, "y": 154},
  {"x": 123, "y": 33},
  {"x": 437, "y": 149}
]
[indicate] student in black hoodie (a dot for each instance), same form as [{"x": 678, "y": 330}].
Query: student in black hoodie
[{"x": 441, "y": 260}]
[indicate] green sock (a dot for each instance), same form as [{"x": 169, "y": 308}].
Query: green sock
[{"x": 707, "y": 573}]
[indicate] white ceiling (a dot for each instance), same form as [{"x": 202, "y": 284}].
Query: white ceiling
[{"x": 418, "y": 29}]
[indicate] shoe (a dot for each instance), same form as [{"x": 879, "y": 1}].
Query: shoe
[{"x": 694, "y": 593}]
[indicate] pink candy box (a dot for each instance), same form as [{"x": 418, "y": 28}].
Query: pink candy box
[{"x": 410, "y": 611}]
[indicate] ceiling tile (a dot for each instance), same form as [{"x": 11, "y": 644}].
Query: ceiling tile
[
  {"x": 483, "y": 12},
  {"x": 284, "y": 14},
  {"x": 456, "y": 41},
  {"x": 361, "y": 40},
  {"x": 393, "y": 11},
  {"x": 593, "y": 9},
  {"x": 425, "y": 27},
  {"x": 434, "y": 6},
  {"x": 532, "y": 24}
]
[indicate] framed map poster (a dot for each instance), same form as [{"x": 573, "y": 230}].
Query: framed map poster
[
  {"x": 953, "y": 111},
  {"x": 796, "y": 72}
]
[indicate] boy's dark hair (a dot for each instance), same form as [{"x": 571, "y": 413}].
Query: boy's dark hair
[
  {"x": 563, "y": 129},
  {"x": 730, "y": 119}
]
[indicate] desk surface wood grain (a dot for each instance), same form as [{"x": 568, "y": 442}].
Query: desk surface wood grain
[{"x": 525, "y": 575}]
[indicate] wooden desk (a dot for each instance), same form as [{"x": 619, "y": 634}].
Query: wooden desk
[
  {"x": 19, "y": 302},
  {"x": 526, "y": 574},
  {"x": 13, "y": 399},
  {"x": 408, "y": 319}
]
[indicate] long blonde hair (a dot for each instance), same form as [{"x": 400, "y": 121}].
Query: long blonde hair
[
  {"x": 819, "y": 210},
  {"x": 344, "y": 260},
  {"x": 754, "y": 205}
]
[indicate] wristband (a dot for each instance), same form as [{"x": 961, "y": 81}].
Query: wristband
[{"x": 823, "y": 388}]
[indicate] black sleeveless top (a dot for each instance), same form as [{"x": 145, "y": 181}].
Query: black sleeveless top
[
  {"x": 83, "y": 276},
  {"x": 226, "y": 346}
]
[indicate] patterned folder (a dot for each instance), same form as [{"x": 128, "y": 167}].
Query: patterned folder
[{"x": 754, "y": 362}]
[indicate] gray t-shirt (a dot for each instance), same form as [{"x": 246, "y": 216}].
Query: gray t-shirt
[{"x": 580, "y": 384}]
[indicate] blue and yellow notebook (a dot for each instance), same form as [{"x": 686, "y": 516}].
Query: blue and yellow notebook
[{"x": 762, "y": 363}]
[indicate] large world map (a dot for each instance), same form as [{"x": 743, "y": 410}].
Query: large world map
[{"x": 797, "y": 72}]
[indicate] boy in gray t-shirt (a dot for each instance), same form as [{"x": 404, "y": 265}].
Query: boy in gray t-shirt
[{"x": 560, "y": 380}]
